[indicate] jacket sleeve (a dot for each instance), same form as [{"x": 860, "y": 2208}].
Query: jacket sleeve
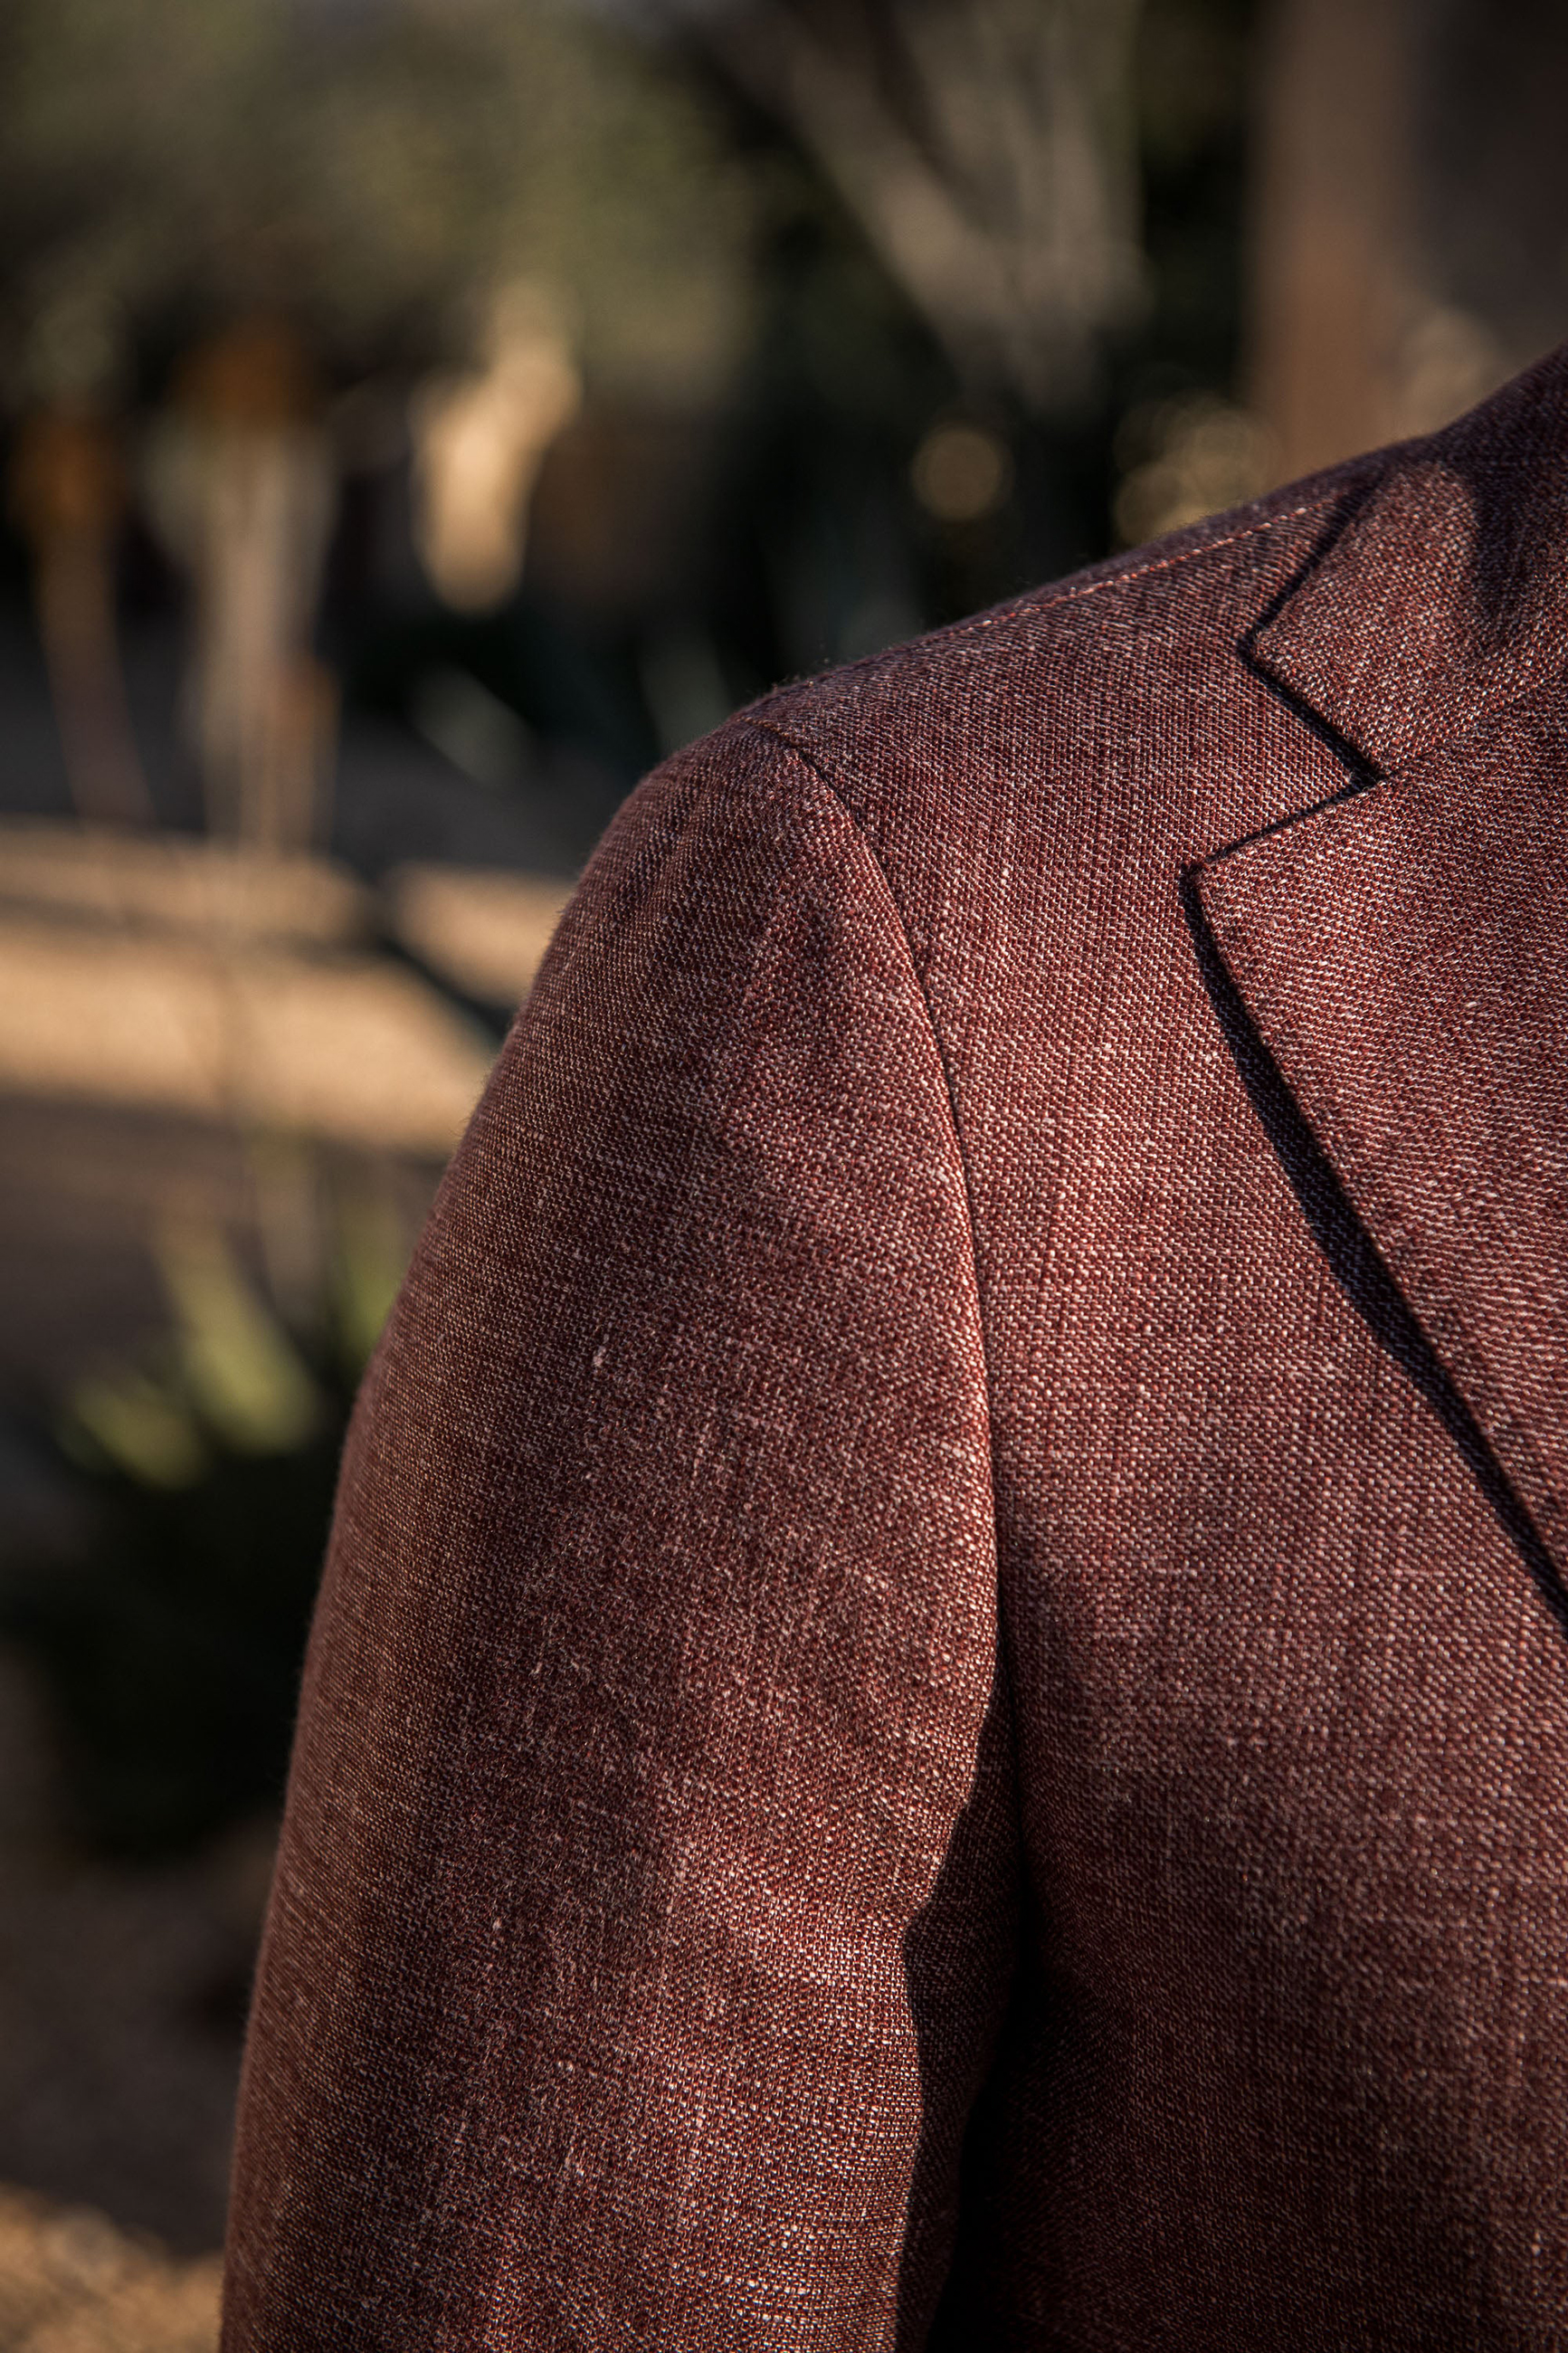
[{"x": 646, "y": 1894}]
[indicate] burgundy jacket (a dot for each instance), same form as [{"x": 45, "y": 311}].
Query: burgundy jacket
[{"x": 940, "y": 1713}]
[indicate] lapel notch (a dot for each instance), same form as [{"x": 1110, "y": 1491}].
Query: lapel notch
[{"x": 1403, "y": 951}]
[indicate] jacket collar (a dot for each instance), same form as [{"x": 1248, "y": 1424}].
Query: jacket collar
[
  {"x": 1403, "y": 950},
  {"x": 1441, "y": 591}
]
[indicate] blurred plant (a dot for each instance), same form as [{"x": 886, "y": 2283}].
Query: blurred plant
[{"x": 170, "y": 1643}]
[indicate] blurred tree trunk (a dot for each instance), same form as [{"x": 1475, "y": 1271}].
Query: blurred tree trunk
[
  {"x": 243, "y": 490},
  {"x": 1334, "y": 254},
  {"x": 986, "y": 148},
  {"x": 69, "y": 492},
  {"x": 1411, "y": 183}
]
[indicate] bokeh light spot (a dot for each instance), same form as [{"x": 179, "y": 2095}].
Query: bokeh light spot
[{"x": 962, "y": 472}]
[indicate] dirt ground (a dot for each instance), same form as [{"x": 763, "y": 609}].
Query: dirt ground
[
  {"x": 70, "y": 2283},
  {"x": 121, "y": 2004}
]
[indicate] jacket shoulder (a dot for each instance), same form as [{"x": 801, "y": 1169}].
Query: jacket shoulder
[
  {"x": 1046, "y": 771},
  {"x": 1162, "y": 618}
]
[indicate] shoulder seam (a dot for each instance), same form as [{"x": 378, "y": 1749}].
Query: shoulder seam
[
  {"x": 1067, "y": 595},
  {"x": 1033, "y": 601}
]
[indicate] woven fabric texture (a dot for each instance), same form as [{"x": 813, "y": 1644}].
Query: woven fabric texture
[{"x": 940, "y": 1709}]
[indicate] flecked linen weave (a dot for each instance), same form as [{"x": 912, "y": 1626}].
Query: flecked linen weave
[{"x": 940, "y": 1709}]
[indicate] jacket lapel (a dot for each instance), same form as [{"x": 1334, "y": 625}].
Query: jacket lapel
[
  {"x": 1402, "y": 949},
  {"x": 1442, "y": 593}
]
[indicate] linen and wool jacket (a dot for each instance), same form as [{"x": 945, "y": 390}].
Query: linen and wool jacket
[{"x": 940, "y": 1712}]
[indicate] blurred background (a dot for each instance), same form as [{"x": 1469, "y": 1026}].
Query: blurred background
[{"x": 416, "y": 417}]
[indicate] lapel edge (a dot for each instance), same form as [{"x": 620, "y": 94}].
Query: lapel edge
[{"x": 1363, "y": 1229}]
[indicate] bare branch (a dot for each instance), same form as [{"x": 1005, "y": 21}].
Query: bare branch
[{"x": 992, "y": 166}]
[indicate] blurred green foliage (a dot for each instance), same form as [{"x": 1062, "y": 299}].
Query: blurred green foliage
[
  {"x": 168, "y": 1641},
  {"x": 372, "y": 167}
]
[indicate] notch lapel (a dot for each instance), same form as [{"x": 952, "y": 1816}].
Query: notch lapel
[
  {"x": 1404, "y": 952},
  {"x": 1442, "y": 592}
]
